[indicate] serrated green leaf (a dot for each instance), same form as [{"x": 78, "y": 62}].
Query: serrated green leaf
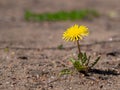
[
  {"x": 64, "y": 72},
  {"x": 94, "y": 63},
  {"x": 79, "y": 66},
  {"x": 84, "y": 58},
  {"x": 87, "y": 62},
  {"x": 72, "y": 60}
]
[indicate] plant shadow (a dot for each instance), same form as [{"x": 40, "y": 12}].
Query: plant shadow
[
  {"x": 104, "y": 72},
  {"x": 101, "y": 72}
]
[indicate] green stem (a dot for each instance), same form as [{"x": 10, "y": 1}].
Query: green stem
[{"x": 79, "y": 50}]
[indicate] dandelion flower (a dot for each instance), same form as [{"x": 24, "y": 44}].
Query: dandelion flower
[{"x": 75, "y": 33}]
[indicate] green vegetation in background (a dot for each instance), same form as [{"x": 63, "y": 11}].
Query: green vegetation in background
[{"x": 61, "y": 15}]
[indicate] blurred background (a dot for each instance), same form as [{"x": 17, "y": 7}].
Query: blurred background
[{"x": 15, "y": 30}]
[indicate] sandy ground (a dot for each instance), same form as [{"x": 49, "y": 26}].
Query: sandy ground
[{"x": 30, "y": 59}]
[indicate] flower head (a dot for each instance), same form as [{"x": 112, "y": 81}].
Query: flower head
[{"x": 75, "y": 33}]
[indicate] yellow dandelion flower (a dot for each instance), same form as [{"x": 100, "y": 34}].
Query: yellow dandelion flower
[{"x": 75, "y": 33}]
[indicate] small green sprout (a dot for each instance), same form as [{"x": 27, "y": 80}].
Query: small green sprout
[
  {"x": 60, "y": 47},
  {"x": 6, "y": 49},
  {"x": 76, "y": 33}
]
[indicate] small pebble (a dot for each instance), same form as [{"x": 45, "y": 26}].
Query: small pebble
[
  {"x": 101, "y": 86},
  {"x": 70, "y": 88}
]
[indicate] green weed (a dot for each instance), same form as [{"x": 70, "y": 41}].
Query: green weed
[{"x": 61, "y": 15}]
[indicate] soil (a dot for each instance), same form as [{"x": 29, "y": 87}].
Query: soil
[{"x": 29, "y": 55}]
